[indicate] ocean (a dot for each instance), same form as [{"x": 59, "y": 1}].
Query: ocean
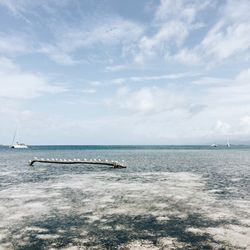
[{"x": 168, "y": 197}]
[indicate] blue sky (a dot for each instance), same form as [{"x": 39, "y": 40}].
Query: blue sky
[{"x": 125, "y": 72}]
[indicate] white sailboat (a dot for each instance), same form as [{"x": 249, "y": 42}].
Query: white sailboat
[
  {"x": 17, "y": 145},
  {"x": 228, "y": 144}
]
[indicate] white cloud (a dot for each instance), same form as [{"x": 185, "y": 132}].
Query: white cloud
[
  {"x": 22, "y": 85},
  {"x": 14, "y": 6},
  {"x": 186, "y": 56},
  {"x": 224, "y": 41},
  {"x": 63, "y": 37},
  {"x": 245, "y": 124},
  {"x": 162, "y": 38},
  {"x": 7, "y": 65},
  {"x": 215, "y": 109},
  {"x": 222, "y": 127},
  {"x": 173, "y": 22},
  {"x": 11, "y": 109},
  {"x": 231, "y": 34},
  {"x": 244, "y": 76},
  {"x": 57, "y": 55},
  {"x": 146, "y": 100},
  {"x": 228, "y": 37},
  {"x": 212, "y": 81},
  {"x": 154, "y": 77},
  {"x": 241, "y": 128},
  {"x": 111, "y": 31},
  {"x": 245, "y": 120},
  {"x": 95, "y": 83},
  {"x": 173, "y": 32},
  {"x": 236, "y": 89},
  {"x": 88, "y": 91},
  {"x": 115, "y": 68},
  {"x": 20, "y": 8},
  {"x": 229, "y": 94},
  {"x": 14, "y": 44},
  {"x": 185, "y": 11}
]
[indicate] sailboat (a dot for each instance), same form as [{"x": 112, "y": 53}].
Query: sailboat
[
  {"x": 17, "y": 144},
  {"x": 228, "y": 144}
]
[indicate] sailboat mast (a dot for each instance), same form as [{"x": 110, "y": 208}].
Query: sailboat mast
[{"x": 14, "y": 137}]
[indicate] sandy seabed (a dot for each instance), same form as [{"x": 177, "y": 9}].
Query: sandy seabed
[{"x": 120, "y": 210}]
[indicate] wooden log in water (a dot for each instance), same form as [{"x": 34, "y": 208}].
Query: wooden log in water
[{"x": 114, "y": 164}]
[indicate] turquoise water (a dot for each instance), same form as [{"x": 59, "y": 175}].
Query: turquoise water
[{"x": 169, "y": 197}]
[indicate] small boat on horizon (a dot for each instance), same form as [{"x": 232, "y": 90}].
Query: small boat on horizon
[
  {"x": 17, "y": 144},
  {"x": 213, "y": 145}
]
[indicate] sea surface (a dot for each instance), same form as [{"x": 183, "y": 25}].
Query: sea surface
[{"x": 168, "y": 197}]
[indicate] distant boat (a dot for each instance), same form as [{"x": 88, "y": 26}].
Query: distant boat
[
  {"x": 213, "y": 145},
  {"x": 228, "y": 144},
  {"x": 17, "y": 144}
]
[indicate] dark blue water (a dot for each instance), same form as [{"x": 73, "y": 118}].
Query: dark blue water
[{"x": 169, "y": 197}]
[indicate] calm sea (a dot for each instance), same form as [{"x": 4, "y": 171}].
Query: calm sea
[{"x": 168, "y": 197}]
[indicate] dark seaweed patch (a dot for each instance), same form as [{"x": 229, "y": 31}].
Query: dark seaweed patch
[{"x": 106, "y": 233}]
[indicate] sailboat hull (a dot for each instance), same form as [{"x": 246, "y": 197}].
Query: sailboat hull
[{"x": 19, "y": 146}]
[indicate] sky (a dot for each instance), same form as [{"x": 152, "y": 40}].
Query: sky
[{"x": 125, "y": 72}]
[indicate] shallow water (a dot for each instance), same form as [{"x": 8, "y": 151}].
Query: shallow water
[{"x": 167, "y": 198}]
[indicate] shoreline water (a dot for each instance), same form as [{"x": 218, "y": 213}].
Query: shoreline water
[{"x": 166, "y": 198}]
